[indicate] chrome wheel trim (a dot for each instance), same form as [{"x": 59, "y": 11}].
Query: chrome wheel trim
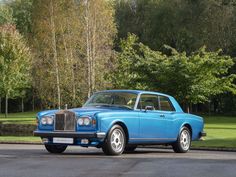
[
  {"x": 185, "y": 140},
  {"x": 117, "y": 140}
]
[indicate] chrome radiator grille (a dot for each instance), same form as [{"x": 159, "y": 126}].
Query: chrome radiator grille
[{"x": 65, "y": 121}]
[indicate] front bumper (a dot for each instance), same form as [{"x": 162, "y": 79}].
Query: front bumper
[{"x": 49, "y": 134}]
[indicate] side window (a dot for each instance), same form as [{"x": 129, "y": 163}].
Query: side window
[
  {"x": 148, "y": 100},
  {"x": 165, "y": 104}
]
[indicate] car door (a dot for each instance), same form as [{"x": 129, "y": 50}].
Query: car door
[
  {"x": 168, "y": 110},
  {"x": 156, "y": 123},
  {"x": 152, "y": 122}
]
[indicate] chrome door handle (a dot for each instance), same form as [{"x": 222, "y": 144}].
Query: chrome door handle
[{"x": 162, "y": 115}]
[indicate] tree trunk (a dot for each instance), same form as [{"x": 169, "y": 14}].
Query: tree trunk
[
  {"x": 33, "y": 102},
  {"x": 22, "y": 104},
  {"x": 191, "y": 108},
  {"x": 72, "y": 62},
  {"x": 6, "y": 105},
  {"x": 55, "y": 55},
  {"x": 0, "y": 105},
  {"x": 188, "y": 108},
  {"x": 93, "y": 63},
  {"x": 88, "y": 49},
  {"x": 209, "y": 108}
]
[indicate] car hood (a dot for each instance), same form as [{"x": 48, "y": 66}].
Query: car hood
[{"x": 88, "y": 111}]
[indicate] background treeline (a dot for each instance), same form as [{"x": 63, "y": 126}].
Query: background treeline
[{"x": 182, "y": 47}]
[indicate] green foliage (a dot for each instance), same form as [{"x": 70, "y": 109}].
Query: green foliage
[
  {"x": 190, "y": 78},
  {"x": 22, "y": 14},
  {"x": 6, "y": 15},
  {"x": 182, "y": 24},
  {"x": 15, "y": 62}
]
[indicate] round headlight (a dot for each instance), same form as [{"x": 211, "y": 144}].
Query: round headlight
[
  {"x": 49, "y": 120},
  {"x": 80, "y": 121},
  {"x": 86, "y": 121},
  {"x": 44, "y": 121}
]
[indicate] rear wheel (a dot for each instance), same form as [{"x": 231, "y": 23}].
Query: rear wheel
[
  {"x": 56, "y": 149},
  {"x": 115, "y": 142},
  {"x": 183, "y": 142}
]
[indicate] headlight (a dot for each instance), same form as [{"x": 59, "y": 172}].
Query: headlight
[
  {"x": 80, "y": 121},
  {"x": 47, "y": 120},
  {"x": 84, "y": 121},
  {"x": 44, "y": 121}
]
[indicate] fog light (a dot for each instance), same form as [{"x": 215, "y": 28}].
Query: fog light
[
  {"x": 84, "y": 141},
  {"x": 45, "y": 140}
]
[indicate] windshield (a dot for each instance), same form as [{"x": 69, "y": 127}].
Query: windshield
[{"x": 111, "y": 99}]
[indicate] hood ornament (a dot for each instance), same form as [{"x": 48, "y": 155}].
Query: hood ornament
[{"x": 65, "y": 106}]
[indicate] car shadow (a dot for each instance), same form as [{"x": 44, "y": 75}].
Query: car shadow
[{"x": 138, "y": 151}]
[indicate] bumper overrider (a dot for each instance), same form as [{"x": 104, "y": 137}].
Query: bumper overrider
[
  {"x": 49, "y": 134},
  {"x": 202, "y": 135}
]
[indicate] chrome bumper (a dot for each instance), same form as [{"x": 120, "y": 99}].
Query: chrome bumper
[{"x": 48, "y": 134}]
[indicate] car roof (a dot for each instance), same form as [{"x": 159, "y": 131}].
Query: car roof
[{"x": 136, "y": 92}]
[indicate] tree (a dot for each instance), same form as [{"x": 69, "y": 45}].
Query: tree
[
  {"x": 15, "y": 62},
  {"x": 190, "y": 78},
  {"x": 98, "y": 36},
  {"x": 22, "y": 16},
  {"x": 73, "y": 43},
  {"x": 6, "y": 16}
]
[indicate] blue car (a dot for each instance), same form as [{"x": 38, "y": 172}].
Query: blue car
[{"x": 118, "y": 121}]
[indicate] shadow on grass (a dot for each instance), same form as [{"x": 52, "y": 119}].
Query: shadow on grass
[{"x": 219, "y": 143}]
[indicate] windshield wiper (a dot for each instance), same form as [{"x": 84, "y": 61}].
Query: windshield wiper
[
  {"x": 103, "y": 105},
  {"x": 122, "y": 106},
  {"x": 113, "y": 105}
]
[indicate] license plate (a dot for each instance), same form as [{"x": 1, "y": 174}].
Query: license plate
[{"x": 63, "y": 140}]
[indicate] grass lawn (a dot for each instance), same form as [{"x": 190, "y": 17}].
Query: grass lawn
[
  {"x": 20, "y": 139},
  {"x": 19, "y": 118},
  {"x": 221, "y": 131}
]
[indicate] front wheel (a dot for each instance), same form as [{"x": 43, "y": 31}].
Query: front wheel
[
  {"x": 183, "y": 142},
  {"x": 56, "y": 149},
  {"x": 115, "y": 142}
]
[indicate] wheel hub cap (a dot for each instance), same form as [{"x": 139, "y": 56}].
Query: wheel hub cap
[
  {"x": 117, "y": 140},
  {"x": 185, "y": 139}
]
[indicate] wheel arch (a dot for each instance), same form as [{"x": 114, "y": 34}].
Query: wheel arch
[
  {"x": 189, "y": 127},
  {"x": 122, "y": 124}
]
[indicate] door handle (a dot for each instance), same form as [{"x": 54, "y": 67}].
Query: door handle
[{"x": 162, "y": 115}]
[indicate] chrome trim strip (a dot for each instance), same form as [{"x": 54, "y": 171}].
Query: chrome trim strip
[
  {"x": 152, "y": 138},
  {"x": 137, "y": 100}
]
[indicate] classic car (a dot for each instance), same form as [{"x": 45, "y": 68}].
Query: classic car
[{"x": 118, "y": 121}]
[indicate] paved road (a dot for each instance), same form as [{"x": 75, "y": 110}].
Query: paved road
[{"x": 34, "y": 161}]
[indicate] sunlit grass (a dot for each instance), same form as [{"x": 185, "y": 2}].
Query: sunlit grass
[
  {"x": 20, "y": 139},
  {"x": 19, "y": 118},
  {"x": 221, "y": 132}
]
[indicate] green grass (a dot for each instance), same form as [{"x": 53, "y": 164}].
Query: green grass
[
  {"x": 221, "y": 133},
  {"x": 20, "y": 139},
  {"x": 19, "y": 118}
]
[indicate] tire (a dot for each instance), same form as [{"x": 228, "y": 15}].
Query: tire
[
  {"x": 55, "y": 149},
  {"x": 130, "y": 148},
  {"x": 115, "y": 141},
  {"x": 183, "y": 143}
]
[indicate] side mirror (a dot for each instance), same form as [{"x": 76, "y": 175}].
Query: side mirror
[{"x": 149, "y": 108}]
